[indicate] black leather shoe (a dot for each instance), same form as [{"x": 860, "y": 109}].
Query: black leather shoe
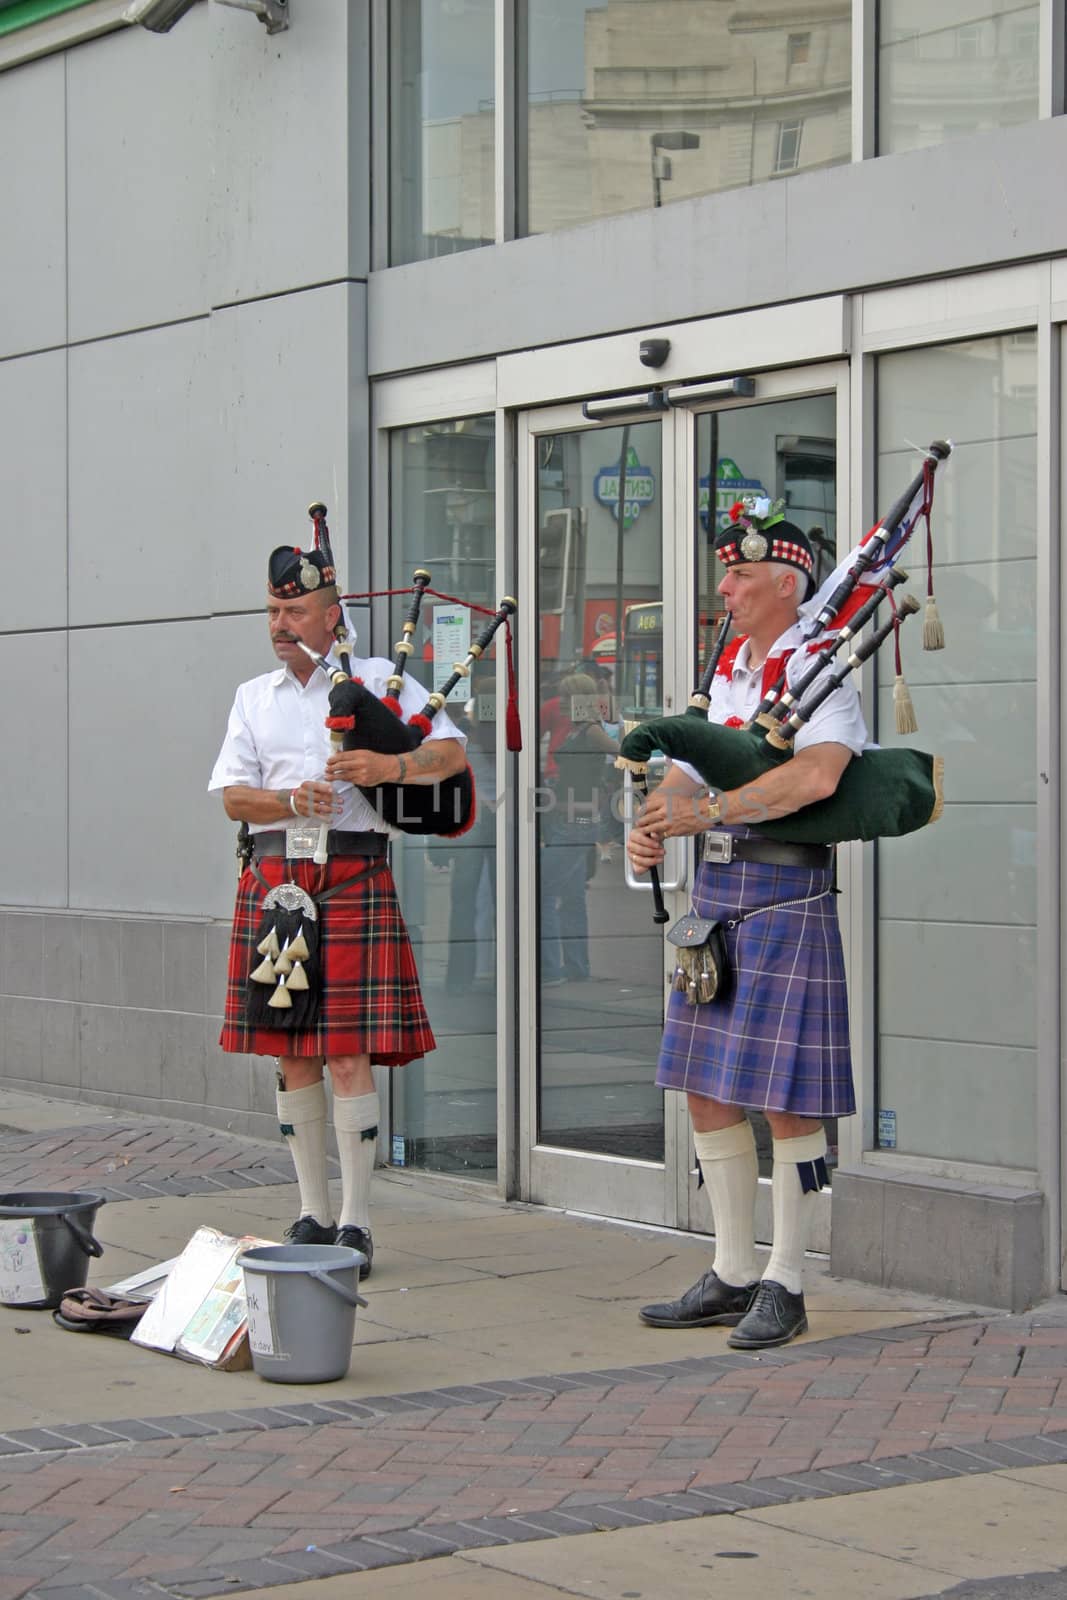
[
  {"x": 305, "y": 1230},
  {"x": 776, "y": 1317},
  {"x": 707, "y": 1302},
  {"x": 358, "y": 1239}
]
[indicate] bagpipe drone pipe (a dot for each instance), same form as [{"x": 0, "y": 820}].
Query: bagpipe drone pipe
[
  {"x": 359, "y": 720},
  {"x": 883, "y": 792}
]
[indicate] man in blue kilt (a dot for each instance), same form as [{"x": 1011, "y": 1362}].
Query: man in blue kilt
[
  {"x": 778, "y": 1041},
  {"x": 340, "y": 988}
]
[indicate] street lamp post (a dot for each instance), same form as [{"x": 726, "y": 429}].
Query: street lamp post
[{"x": 668, "y": 139}]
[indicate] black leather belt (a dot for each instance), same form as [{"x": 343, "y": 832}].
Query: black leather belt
[
  {"x": 339, "y": 842},
  {"x": 722, "y": 848}
]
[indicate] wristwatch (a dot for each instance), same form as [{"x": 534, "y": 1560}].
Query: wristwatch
[{"x": 714, "y": 815}]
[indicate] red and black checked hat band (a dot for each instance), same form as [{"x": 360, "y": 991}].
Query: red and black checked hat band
[
  {"x": 292, "y": 572},
  {"x": 782, "y": 541}
]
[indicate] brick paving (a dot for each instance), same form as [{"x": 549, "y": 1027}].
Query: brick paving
[
  {"x": 191, "y": 1506},
  {"x": 234, "y": 1500},
  {"x": 139, "y": 1160}
]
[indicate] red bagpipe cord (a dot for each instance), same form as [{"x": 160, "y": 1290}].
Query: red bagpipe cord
[{"x": 512, "y": 726}]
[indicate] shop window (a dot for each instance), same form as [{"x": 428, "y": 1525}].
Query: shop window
[
  {"x": 441, "y": 127},
  {"x": 442, "y": 516},
  {"x": 625, "y": 106},
  {"x": 957, "y": 902},
  {"x": 943, "y": 78}
]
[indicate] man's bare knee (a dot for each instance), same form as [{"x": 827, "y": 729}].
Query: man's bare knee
[{"x": 708, "y": 1115}]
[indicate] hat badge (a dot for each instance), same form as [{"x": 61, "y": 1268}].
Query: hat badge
[
  {"x": 754, "y": 546},
  {"x": 309, "y": 574}
]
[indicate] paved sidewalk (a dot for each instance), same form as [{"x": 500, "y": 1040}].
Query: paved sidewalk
[{"x": 503, "y": 1403}]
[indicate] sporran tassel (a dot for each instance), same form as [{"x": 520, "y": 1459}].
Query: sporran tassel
[
  {"x": 705, "y": 988},
  {"x": 283, "y": 991},
  {"x": 679, "y": 983}
]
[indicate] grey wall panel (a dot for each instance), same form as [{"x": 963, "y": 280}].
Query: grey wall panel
[
  {"x": 33, "y": 192},
  {"x": 972, "y": 202},
  {"x": 138, "y": 121},
  {"x": 280, "y": 109},
  {"x": 33, "y": 775},
  {"x": 140, "y": 501},
  {"x": 282, "y": 372},
  {"x": 145, "y": 835},
  {"x": 33, "y": 488}
]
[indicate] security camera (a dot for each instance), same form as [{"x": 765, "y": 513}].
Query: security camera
[
  {"x": 158, "y": 16},
  {"x": 654, "y": 352},
  {"x": 273, "y": 13}
]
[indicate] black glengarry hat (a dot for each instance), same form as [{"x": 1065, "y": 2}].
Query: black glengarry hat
[
  {"x": 292, "y": 571},
  {"x": 757, "y": 531}
]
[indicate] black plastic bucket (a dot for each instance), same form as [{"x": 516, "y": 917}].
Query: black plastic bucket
[{"x": 47, "y": 1251}]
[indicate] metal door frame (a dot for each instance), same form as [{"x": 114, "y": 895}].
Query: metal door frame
[{"x": 595, "y": 1183}]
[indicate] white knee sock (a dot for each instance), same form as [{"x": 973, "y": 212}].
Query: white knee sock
[
  {"x": 728, "y": 1161},
  {"x": 793, "y": 1207},
  {"x": 355, "y": 1122},
  {"x": 302, "y": 1114}
]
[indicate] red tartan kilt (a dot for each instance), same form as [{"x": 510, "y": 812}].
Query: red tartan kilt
[{"x": 371, "y": 1000}]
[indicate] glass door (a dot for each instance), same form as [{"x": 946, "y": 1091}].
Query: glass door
[
  {"x": 616, "y": 529},
  {"x": 597, "y": 501}
]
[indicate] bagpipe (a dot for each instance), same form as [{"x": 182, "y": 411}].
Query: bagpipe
[
  {"x": 882, "y": 793},
  {"x": 360, "y": 720}
]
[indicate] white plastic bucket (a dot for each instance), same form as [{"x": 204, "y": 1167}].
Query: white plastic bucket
[
  {"x": 46, "y": 1240},
  {"x": 302, "y": 1301}
]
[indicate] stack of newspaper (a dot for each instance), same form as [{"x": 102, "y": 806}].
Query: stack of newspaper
[{"x": 197, "y": 1304}]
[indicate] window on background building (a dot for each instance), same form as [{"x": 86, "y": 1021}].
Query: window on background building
[
  {"x": 630, "y": 105},
  {"x": 787, "y": 155},
  {"x": 442, "y": 512},
  {"x": 949, "y": 70},
  {"x": 441, "y": 132},
  {"x": 957, "y": 902}
]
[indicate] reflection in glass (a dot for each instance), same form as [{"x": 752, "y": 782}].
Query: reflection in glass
[
  {"x": 440, "y": 127},
  {"x": 599, "y": 539},
  {"x": 957, "y": 902},
  {"x": 959, "y": 67},
  {"x": 442, "y": 512},
  {"x": 786, "y": 449},
  {"x": 633, "y": 105}
]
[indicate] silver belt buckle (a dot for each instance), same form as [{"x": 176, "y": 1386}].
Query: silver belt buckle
[
  {"x": 719, "y": 848},
  {"x": 301, "y": 841}
]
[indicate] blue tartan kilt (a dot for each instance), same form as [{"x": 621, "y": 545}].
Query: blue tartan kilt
[{"x": 779, "y": 1041}]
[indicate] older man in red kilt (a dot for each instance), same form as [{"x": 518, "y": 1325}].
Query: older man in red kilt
[
  {"x": 276, "y": 773},
  {"x": 778, "y": 1041}
]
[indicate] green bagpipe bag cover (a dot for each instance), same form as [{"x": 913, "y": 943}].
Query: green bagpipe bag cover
[{"x": 882, "y": 793}]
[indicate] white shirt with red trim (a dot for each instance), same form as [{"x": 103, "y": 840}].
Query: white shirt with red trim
[
  {"x": 737, "y": 690},
  {"x": 277, "y": 736}
]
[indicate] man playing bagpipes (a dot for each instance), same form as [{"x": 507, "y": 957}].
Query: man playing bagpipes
[
  {"x": 321, "y": 969},
  {"x": 777, "y": 1041}
]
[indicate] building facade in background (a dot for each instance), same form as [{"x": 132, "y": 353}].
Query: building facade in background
[{"x": 402, "y": 256}]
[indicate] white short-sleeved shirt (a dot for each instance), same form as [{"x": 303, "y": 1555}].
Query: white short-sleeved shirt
[
  {"x": 838, "y": 720},
  {"x": 277, "y": 736}
]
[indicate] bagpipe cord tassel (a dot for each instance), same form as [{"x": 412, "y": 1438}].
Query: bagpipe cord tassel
[
  {"x": 512, "y": 726},
  {"x": 903, "y": 706},
  {"x": 933, "y": 631}
]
